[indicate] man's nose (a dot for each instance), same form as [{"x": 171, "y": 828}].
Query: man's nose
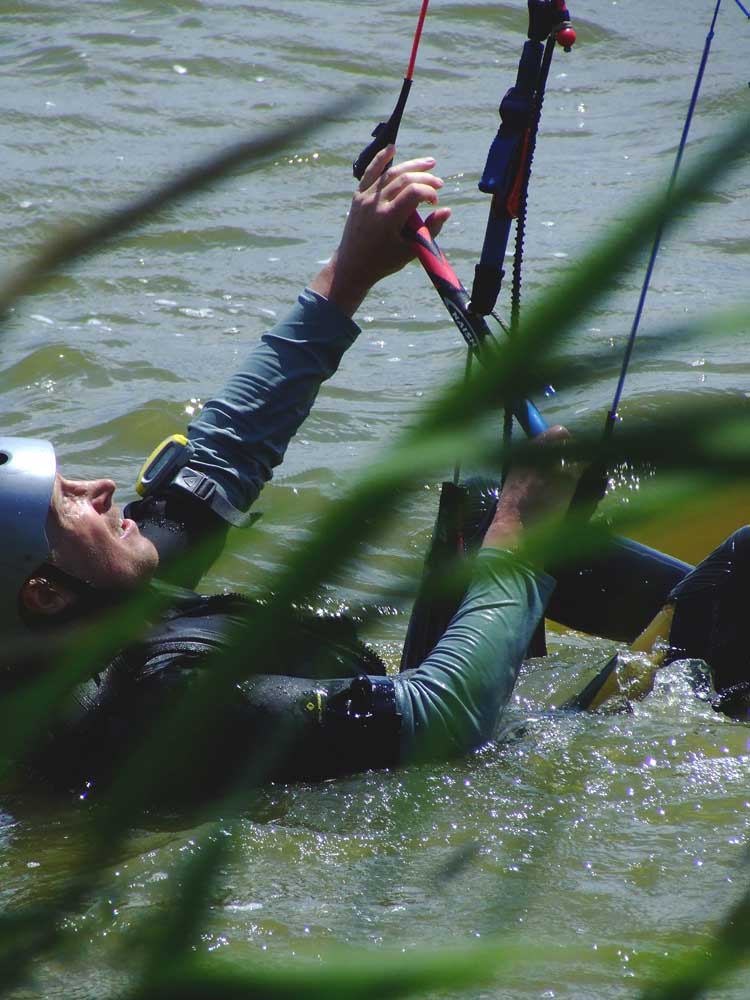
[{"x": 100, "y": 493}]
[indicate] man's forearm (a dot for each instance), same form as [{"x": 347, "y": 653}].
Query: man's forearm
[
  {"x": 346, "y": 290},
  {"x": 243, "y": 433},
  {"x": 452, "y": 701}
]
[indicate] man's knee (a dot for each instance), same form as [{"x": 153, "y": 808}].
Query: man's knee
[{"x": 710, "y": 612}]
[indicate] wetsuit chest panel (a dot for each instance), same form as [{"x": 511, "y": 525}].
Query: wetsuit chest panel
[{"x": 314, "y": 647}]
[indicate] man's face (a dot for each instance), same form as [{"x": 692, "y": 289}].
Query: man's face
[{"x": 90, "y": 540}]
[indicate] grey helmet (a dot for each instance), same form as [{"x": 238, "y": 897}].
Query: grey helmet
[{"x": 27, "y": 476}]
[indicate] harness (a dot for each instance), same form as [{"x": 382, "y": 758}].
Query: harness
[{"x": 197, "y": 626}]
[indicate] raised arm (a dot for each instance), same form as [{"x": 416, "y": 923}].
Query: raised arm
[{"x": 243, "y": 433}]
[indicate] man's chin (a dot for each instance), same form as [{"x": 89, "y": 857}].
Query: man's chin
[{"x": 128, "y": 528}]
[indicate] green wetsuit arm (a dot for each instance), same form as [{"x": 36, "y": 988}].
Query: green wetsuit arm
[
  {"x": 241, "y": 434},
  {"x": 452, "y": 701}
]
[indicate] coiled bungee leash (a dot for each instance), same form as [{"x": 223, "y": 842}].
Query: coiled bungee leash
[{"x": 508, "y": 168}]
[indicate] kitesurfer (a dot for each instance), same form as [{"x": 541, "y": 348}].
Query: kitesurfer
[{"x": 68, "y": 552}]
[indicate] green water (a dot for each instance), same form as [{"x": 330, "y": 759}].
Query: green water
[{"x": 600, "y": 844}]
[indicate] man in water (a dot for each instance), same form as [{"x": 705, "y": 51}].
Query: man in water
[{"x": 69, "y": 553}]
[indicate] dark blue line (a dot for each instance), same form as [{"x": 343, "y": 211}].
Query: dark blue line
[
  {"x": 744, "y": 10},
  {"x": 660, "y": 228}
]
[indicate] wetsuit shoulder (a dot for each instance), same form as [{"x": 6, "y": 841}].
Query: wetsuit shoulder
[{"x": 187, "y": 534}]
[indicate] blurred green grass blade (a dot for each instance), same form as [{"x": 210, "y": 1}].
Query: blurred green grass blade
[
  {"x": 549, "y": 319},
  {"x": 23, "y": 936},
  {"x": 376, "y": 491},
  {"x": 600, "y": 365},
  {"x": 27, "y": 934},
  {"x": 357, "y": 975},
  {"x": 338, "y": 534},
  {"x": 70, "y": 244},
  {"x": 711, "y": 436},
  {"x": 367, "y": 505},
  {"x": 39, "y": 671},
  {"x": 66, "y": 660}
]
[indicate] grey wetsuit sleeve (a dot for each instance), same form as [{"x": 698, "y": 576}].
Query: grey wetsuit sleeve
[
  {"x": 242, "y": 433},
  {"x": 451, "y": 702}
]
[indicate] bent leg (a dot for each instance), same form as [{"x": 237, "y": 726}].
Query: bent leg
[
  {"x": 709, "y": 621},
  {"x": 613, "y": 595}
]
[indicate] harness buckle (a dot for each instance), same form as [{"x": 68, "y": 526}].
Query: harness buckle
[{"x": 195, "y": 482}]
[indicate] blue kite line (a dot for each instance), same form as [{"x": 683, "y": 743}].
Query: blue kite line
[{"x": 630, "y": 343}]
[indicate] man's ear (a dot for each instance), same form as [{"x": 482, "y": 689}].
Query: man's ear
[{"x": 41, "y": 597}]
